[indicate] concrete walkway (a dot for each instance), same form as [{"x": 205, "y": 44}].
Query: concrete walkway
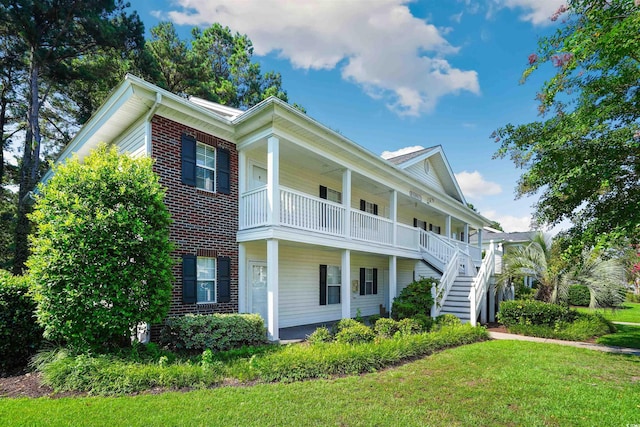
[
  {"x": 589, "y": 346},
  {"x": 626, "y": 323}
]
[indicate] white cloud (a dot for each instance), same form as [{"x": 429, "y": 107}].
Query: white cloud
[
  {"x": 474, "y": 186},
  {"x": 509, "y": 223},
  {"x": 537, "y": 12},
  {"x": 400, "y": 152},
  {"x": 378, "y": 45}
]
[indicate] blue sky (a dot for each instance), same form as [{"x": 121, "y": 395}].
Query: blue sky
[{"x": 391, "y": 74}]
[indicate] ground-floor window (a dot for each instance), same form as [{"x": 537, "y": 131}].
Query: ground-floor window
[
  {"x": 330, "y": 284},
  {"x": 206, "y": 279},
  {"x": 368, "y": 281}
]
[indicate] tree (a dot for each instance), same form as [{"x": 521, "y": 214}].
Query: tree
[
  {"x": 54, "y": 33},
  {"x": 584, "y": 155},
  {"x": 101, "y": 253},
  {"x": 542, "y": 260}
]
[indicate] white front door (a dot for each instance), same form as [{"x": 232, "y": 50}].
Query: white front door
[
  {"x": 258, "y": 177},
  {"x": 258, "y": 293}
]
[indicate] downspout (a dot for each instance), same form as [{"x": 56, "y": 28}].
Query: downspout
[{"x": 147, "y": 120}]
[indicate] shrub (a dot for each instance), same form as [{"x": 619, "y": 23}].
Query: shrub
[
  {"x": 20, "y": 335},
  {"x": 448, "y": 320},
  {"x": 320, "y": 335},
  {"x": 585, "y": 326},
  {"x": 414, "y": 299},
  {"x": 425, "y": 320},
  {"x": 519, "y": 312},
  {"x": 218, "y": 332},
  {"x": 386, "y": 328},
  {"x": 524, "y": 292},
  {"x": 631, "y": 297},
  {"x": 408, "y": 326},
  {"x": 579, "y": 295},
  {"x": 101, "y": 259},
  {"x": 373, "y": 319},
  {"x": 355, "y": 334},
  {"x": 344, "y": 323}
]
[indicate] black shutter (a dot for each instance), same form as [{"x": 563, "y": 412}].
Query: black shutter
[
  {"x": 224, "y": 279},
  {"x": 363, "y": 205},
  {"x": 430, "y": 227},
  {"x": 462, "y": 236},
  {"x": 424, "y": 225},
  {"x": 223, "y": 171},
  {"x": 323, "y": 192},
  {"x": 323, "y": 285},
  {"x": 188, "y": 157},
  {"x": 189, "y": 278},
  {"x": 375, "y": 281},
  {"x": 375, "y": 209},
  {"x": 415, "y": 222},
  {"x": 362, "y": 279}
]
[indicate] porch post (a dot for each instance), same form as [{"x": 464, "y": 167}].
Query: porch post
[
  {"x": 346, "y": 201},
  {"x": 447, "y": 226},
  {"x": 480, "y": 238},
  {"x": 393, "y": 283},
  {"x": 492, "y": 301},
  {"x": 345, "y": 289},
  {"x": 242, "y": 187},
  {"x": 242, "y": 278},
  {"x": 272, "y": 290},
  {"x": 466, "y": 233},
  {"x": 273, "y": 180},
  {"x": 393, "y": 204},
  {"x": 483, "y": 309}
]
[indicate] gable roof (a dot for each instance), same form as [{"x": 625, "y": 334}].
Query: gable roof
[{"x": 440, "y": 164}]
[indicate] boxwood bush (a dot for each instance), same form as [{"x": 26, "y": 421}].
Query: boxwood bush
[
  {"x": 355, "y": 334},
  {"x": 415, "y": 299},
  {"x": 20, "y": 334},
  {"x": 527, "y": 312},
  {"x": 218, "y": 332},
  {"x": 582, "y": 328},
  {"x": 579, "y": 295}
]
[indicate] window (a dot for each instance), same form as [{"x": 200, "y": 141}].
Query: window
[
  {"x": 334, "y": 279},
  {"x": 368, "y": 207},
  {"x": 368, "y": 281},
  {"x": 330, "y": 194},
  {"x": 434, "y": 228},
  {"x": 419, "y": 223},
  {"x": 206, "y": 279},
  {"x": 330, "y": 284},
  {"x": 205, "y": 167}
]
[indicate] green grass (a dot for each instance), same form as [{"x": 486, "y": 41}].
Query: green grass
[
  {"x": 630, "y": 312},
  {"x": 490, "y": 383},
  {"x": 626, "y": 336}
]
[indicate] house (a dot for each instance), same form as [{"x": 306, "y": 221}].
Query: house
[{"x": 277, "y": 214}]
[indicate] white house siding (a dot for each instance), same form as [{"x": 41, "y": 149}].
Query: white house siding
[
  {"x": 423, "y": 270},
  {"x": 133, "y": 140},
  {"x": 368, "y": 304},
  {"x": 405, "y": 270},
  {"x": 431, "y": 179}
]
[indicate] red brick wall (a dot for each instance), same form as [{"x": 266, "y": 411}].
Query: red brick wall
[{"x": 204, "y": 223}]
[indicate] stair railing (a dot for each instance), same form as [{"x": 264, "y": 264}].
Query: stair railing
[
  {"x": 481, "y": 282},
  {"x": 441, "y": 290}
]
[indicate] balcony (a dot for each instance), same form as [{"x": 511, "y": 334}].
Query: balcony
[{"x": 312, "y": 214}]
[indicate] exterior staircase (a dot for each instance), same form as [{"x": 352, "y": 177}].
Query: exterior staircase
[{"x": 457, "y": 302}]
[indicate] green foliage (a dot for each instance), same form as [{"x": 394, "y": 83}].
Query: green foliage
[
  {"x": 20, "y": 335},
  {"x": 217, "y": 332},
  {"x": 578, "y": 158},
  {"x": 524, "y": 292},
  {"x": 355, "y": 334},
  {"x": 386, "y": 328},
  {"x": 519, "y": 312},
  {"x": 448, "y": 320},
  {"x": 320, "y": 335},
  {"x": 298, "y": 362},
  {"x": 371, "y": 320},
  {"x": 409, "y": 326},
  {"x": 343, "y": 324},
  {"x": 579, "y": 295},
  {"x": 414, "y": 299},
  {"x": 101, "y": 254},
  {"x": 631, "y": 297},
  {"x": 584, "y": 327}
]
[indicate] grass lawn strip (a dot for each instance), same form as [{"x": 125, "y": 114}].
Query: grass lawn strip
[
  {"x": 626, "y": 336},
  {"x": 629, "y": 313},
  {"x": 490, "y": 383}
]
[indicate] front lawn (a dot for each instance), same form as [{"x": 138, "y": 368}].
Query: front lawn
[
  {"x": 489, "y": 383},
  {"x": 630, "y": 312},
  {"x": 625, "y": 336}
]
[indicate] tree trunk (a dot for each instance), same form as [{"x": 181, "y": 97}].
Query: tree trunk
[{"x": 28, "y": 169}]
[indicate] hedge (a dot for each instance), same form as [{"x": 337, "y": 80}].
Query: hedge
[{"x": 528, "y": 312}]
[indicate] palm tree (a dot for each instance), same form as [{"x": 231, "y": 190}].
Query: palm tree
[{"x": 539, "y": 259}]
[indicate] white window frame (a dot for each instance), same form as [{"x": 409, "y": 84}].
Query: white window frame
[
  {"x": 202, "y": 279},
  {"x": 202, "y": 166},
  {"x": 369, "y": 207},
  {"x": 335, "y": 272},
  {"x": 334, "y": 195},
  {"x": 368, "y": 281}
]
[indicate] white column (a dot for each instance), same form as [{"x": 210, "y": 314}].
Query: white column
[
  {"x": 492, "y": 301},
  {"x": 242, "y": 278},
  {"x": 272, "y": 290},
  {"x": 242, "y": 187},
  {"x": 480, "y": 238},
  {"x": 483, "y": 309},
  {"x": 447, "y": 226},
  {"x": 345, "y": 290},
  {"x": 346, "y": 201},
  {"x": 393, "y": 205},
  {"x": 273, "y": 180},
  {"x": 466, "y": 233},
  {"x": 393, "y": 283}
]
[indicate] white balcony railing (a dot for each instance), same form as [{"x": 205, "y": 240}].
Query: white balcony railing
[
  {"x": 309, "y": 213},
  {"x": 371, "y": 228},
  {"x": 253, "y": 206}
]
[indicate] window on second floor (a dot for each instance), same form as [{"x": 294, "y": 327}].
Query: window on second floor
[{"x": 205, "y": 167}]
